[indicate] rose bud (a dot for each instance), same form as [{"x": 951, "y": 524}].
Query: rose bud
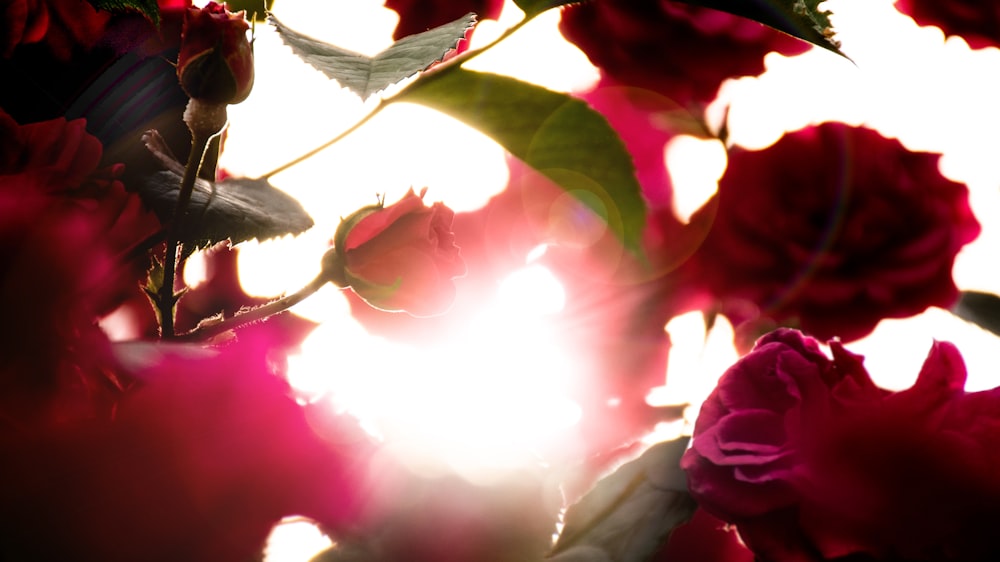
[
  {"x": 399, "y": 257},
  {"x": 215, "y": 63}
]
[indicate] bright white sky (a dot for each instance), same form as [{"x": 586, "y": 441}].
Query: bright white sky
[{"x": 907, "y": 82}]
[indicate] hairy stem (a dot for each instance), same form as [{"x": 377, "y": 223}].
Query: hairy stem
[
  {"x": 166, "y": 298},
  {"x": 210, "y": 330}
]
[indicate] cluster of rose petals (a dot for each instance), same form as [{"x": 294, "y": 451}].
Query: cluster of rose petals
[
  {"x": 677, "y": 50},
  {"x": 65, "y": 226},
  {"x": 811, "y": 461},
  {"x": 975, "y": 21},
  {"x": 61, "y": 24},
  {"x": 832, "y": 229}
]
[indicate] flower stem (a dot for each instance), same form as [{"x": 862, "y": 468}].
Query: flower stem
[
  {"x": 382, "y": 104},
  {"x": 166, "y": 299},
  {"x": 210, "y": 330}
]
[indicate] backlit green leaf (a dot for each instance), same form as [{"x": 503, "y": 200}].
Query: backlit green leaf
[
  {"x": 366, "y": 75},
  {"x": 557, "y": 134}
]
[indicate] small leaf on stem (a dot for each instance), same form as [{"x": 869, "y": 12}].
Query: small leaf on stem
[
  {"x": 150, "y": 9},
  {"x": 630, "y": 513},
  {"x": 237, "y": 209},
  {"x": 557, "y": 134},
  {"x": 366, "y": 75}
]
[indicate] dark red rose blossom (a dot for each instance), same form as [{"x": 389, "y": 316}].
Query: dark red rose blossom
[
  {"x": 66, "y": 233},
  {"x": 399, "y": 257},
  {"x": 810, "y": 461},
  {"x": 215, "y": 63},
  {"x": 832, "y": 229},
  {"x": 976, "y": 21},
  {"x": 703, "y": 539},
  {"x": 419, "y": 16},
  {"x": 680, "y": 51},
  {"x": 61, "y": 24}
]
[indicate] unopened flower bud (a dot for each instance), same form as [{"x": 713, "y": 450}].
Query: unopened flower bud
[
  {"x": 400, "y": 257},
  {"x": 215, "y": 64}
]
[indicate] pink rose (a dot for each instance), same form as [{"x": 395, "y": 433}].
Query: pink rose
[
  {"x": 745, "y": 449},
  {"x": 677, "y": 50},
  {"x": 832, "y": 229},
  {"x": 399, "y": 257},
  {"x": 215, "y": 63},
  {"x": 810, "y": 461},
  {"x": 976, "y": 21}
]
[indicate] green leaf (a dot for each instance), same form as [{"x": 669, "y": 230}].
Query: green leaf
[
  {"x": 237, "y": 209},
  {"x": 557, "y": 134},
  {"x": 365, "y": 75},
  {"x": 798, "y": 18},
  {"x": 630, "y": 513},
  {"x": 532, "y": 8},
  {"x": 148, "y": 8},
  {"x": 981, "y": 309}
]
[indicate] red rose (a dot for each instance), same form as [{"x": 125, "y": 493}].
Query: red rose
[
  {"x": 417, "y": 17},
  {"x": 832, "y": 229},
  {"x": 65, "y": 229},
  {"x": 745, "y": 450},
  {"x": 62, "y": 24},
  {"x": 975, "y": 21},
  {"x": 811, "y": 462},
  {"x": 215, "y": 63},
  {"x": 680, "y": 51},
  {"x": 400, "y": 257}
]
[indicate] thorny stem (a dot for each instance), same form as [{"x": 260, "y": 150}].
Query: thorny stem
[
  {"x": 206, "y": 331},
  {"x": 385, "y": 102},
  {"x": 166, "y": 299}
]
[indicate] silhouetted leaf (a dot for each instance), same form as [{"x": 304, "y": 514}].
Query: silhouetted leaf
[
  {"x": 366, "y": 75},
  {"x": 237, "y": 209},
  {"x": 982, "y": 309},
  {"x": 557, "y": 134},
  {"x": 629, "y": 514},
  {"x": 256, "y": 9},
  {"x": 798, "y": 18},
  {"x": 148, "y": 8}
]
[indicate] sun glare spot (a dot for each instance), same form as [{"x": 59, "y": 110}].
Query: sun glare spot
[
  {"x": 695, "y": 166},
  {"x": 480, "y": 405}
]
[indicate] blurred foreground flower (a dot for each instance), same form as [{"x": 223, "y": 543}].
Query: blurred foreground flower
[
  {"x": 832, "y": 229},
  {"x": 975, "y": 21},
  {"x": 677, "y": 50},
  {"x": 811, "y": 461},
  {"x": 400, "y": 257}
]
